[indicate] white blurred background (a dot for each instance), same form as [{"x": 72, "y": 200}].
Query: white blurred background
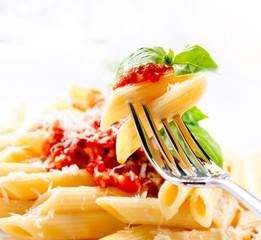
[{"x": 45, "y": 45}]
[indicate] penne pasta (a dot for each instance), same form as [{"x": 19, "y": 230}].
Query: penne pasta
[
  {"x": 171, "y": 198},
  {"x": 141, "y": 91},
  {"x": 32, "y": 140},
  {"x": 29, "y": 186},
  {"x": 146, "y": 211},
  {"x": 175, "y": 101},
  {"x": 83, "y": 97},
  {"x": 73, "y": 199},
  {"x": 3, "y": 236},
  {"x": 249, "y": 221},
  {"x": 137, "y": 92},
  {"x": 155, "y": 233},
  {"x": 203, "y": 202},
  {"x": 8, "y": 207},
  {"x": 213, "y": 234},
  {"x": 230, "y": 155},
  {"x": 246, "y": 172},
  {"x": 225, "y": 211},
  {"x": 138, "y": 233},
  {"x": 60, "y": 226},
  {"x": 16, "y": 154},
  {"x": 6, "y": 168}
]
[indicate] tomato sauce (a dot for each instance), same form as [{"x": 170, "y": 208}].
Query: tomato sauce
[
  {"x": 148, "y": 72},
  {"x": 79, "y": 140}
]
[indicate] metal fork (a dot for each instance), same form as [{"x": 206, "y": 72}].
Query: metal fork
[{"x": 196, "y": 171}]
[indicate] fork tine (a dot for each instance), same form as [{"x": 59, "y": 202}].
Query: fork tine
[
  {"x": 162, "y": 146},
  {"x": 195, "y": 146},
  {"x": 192, "y": 147},
  {"x": 177, "y": 148},
  {"x": 149, "y": 149}
]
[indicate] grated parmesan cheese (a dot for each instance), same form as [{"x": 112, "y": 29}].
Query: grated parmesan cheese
[
  {"x": 143, "y": 170},
  {"x": 132, "y": 175},
  {"x": 120, "y": 166},
  {"x": 38, "y": 164},
  {"x": 49, "y": 215},
  {"x": 144, "y": 194},
  {"x": 73, "y": 169},
  {"x": 50, "y": 186},
  {"x": 14, "y": 175}
]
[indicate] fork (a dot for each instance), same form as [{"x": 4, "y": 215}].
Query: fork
[{"x": 199, "y": 170}]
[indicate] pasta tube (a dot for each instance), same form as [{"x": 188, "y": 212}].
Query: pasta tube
[
  {"x": 16, "y": 154},
  {"x": 140, "y": 232},
  {"x": 29, "y": 186},
  {"x": 248, "y": 220},
  {"x": 203, "y": 202},
  {"x": 137, "y": 92},
  {"x": 156, "y": 233},
  {"x": 73, "y": 199},
  {"x": 225, "y": 211},
  {"x": 213, "y": 234},
  {"x": 60, "y": 226},
  {"x": 32, "y": 140},
  {"x": 6, "y": 168},
  {"x": 13, "y": 206},
  {"x": 146, "y": 211},
  {"x": 171, "y": 198},
  {"x": 3, "y": 236},
  {"x": 174, "y": 102},
  {"x": 83, "y": 97},
  {"x": 245, "y": 171}
]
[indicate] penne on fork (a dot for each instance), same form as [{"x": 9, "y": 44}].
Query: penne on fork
[
  {"x": 179, "y": 98},
  {"x": 201, "y": 171}
]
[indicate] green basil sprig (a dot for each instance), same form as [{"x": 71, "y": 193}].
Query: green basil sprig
[{"x": 192, "y": 59}]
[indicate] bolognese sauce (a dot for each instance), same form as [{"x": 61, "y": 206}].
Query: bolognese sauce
[
  {"x": 148, "y": 72},
  {"x": 79, "y": 140}
]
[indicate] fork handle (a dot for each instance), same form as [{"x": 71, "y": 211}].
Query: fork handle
[{"x": 246, "y": 198}]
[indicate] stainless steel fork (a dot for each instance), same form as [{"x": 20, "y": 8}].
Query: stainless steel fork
[{"x": 196, "y": 171}]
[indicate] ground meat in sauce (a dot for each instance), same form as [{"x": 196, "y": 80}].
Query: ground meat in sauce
[
  {"x": 79, "y": 140},
  {"x": 148, "y": 72}
]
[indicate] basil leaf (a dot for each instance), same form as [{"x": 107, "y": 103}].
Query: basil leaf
[
  {"x": 191, "y": 119},
  {"x": 193, "y": 59},
  {"x": 207, "y": 143},
  {"x": 193, "y": 116},
  {"x": 145, "y": 55}
]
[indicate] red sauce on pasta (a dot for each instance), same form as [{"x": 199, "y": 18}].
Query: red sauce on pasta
[
  {"x": 148, "y": 72},
  {"x": 79, "y": 140}
]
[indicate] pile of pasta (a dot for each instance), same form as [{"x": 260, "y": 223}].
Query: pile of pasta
[{"x": 36, "y": 204}]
